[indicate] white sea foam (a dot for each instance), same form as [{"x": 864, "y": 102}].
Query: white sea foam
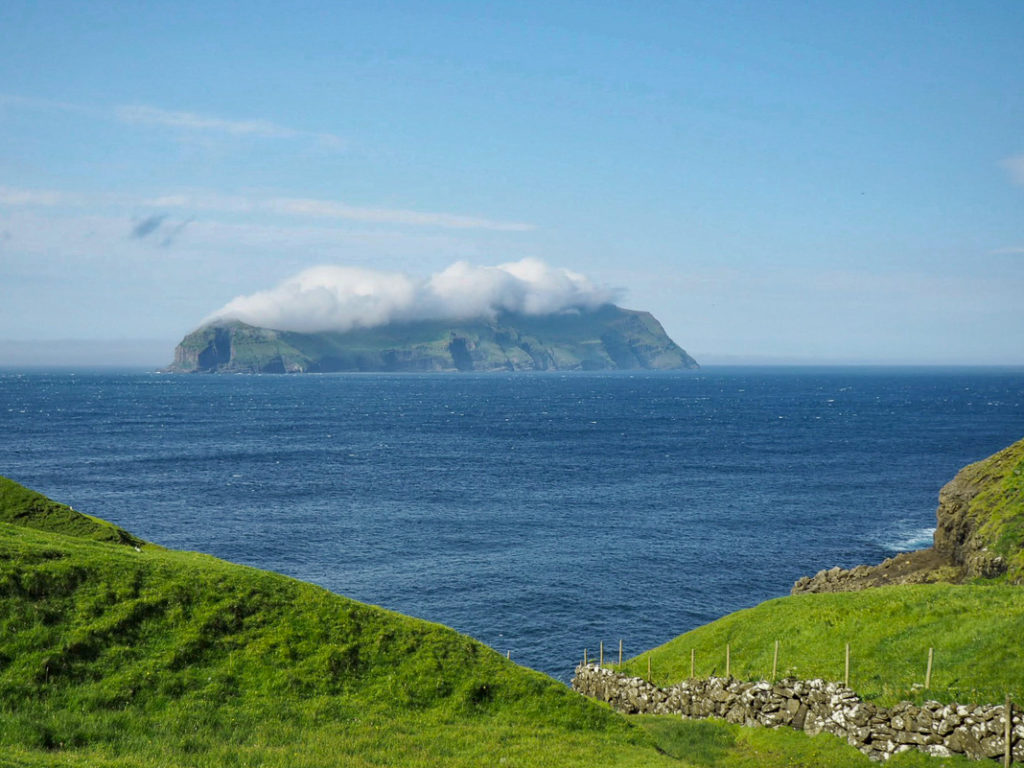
[{"x": 908, "y": 539}]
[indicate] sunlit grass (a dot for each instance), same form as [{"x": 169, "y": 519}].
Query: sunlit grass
[
  {"x": 125, "y": 655},
  {"x": 971, "y": 628},
  {"x": 716, "y": 744},
  {"x": 111, "y": 655}
]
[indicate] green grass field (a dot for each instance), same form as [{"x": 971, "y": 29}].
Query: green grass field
[
  {"x": 973, "y": 629},
  {"x": 116, "y": 652},
  {"x": 717, "y": 744}
]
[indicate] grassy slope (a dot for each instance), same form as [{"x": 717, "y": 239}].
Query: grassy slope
[
  {"x": 115, "y": 656},
  {"x": 974, "y": 630},
  {"x": 714, "y": 743},
  {"x": 24, "y": 507},
  {"x": 111, "y": 656},
  {"x": 256, "y": 348}
]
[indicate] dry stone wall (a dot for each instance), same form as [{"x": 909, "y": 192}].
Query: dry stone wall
[{"x": 816, "y": 706}]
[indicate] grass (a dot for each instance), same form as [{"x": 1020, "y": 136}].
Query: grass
[
  {"x": 717, "y": 744},
  {"x": 115, "y": 653},
  {"x": 24, "y": 507},
  {"x": 972, "y": 628},
  {"x": 112, "y": 655}
]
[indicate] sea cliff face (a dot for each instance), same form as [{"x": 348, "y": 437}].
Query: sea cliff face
[
  {"x": 979, "y": 534},
  {"x": 608, "y": 338}
]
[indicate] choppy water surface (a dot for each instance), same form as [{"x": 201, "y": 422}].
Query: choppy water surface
[{"x": 538, "y": 513}]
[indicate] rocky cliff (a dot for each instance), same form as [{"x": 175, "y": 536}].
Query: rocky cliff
[
  {"x": 979, "y": 534},
  {"x": 608, "y": 338}
]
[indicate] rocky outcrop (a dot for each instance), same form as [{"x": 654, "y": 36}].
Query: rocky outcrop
[
  {"x": 979, "y": 534},
  {"x": 925, "y": 566},
  {"x": 978, "y": 512},
  {"x": 607, "y": 338},
  {"x": 816, "y": 706}
]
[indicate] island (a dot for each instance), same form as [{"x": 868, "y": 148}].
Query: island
[{"x": 606, "y": 338}]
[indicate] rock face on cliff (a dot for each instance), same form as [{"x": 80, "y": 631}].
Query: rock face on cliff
[
  {"x": 979, "y": 534},
  {"x": 608, "y": 338}
]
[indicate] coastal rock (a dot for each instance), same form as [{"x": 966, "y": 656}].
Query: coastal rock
[{"x": 979, "y": 534}]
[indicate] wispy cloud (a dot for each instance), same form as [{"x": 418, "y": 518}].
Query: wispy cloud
[
  {"x": 142, "y": 114},
  {"x": 297, "y": 207},
  {"x": 172, "y": 232},
  {"x": 148, "y": 225},
  {"x": 1009, "y": 251},
  {"x": 45, "y": 197},
  {"x": 139, "y": 113},
  {"x": 204, "y": 202},
  {"x": 1015, "y": 167},
  {"x": 146, "y": 114},
  {"x": 11, "y": 100},
  {"x": 333, "y": 209},
  {"x": 158, "y": 224}
]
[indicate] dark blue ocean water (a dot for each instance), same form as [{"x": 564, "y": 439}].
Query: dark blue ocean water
[{"x": 539, "y": 513}]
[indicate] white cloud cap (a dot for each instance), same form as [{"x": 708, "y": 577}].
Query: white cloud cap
[{"x": 337, "y": 298}]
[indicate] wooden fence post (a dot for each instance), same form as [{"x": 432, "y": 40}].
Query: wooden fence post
[
  {"x": 1008, "y": 732},
  {"x": 928, "y": 672},
  {"x": 693, "y": 660},
  {"x": 728, "y": 673},
  {"x": 775, "y": 661},
  {"x": 648, "y": 667},
  {"x": 620, "y": 651},
  {"x": 846, "y": 669},
  {"x": 584, "y": 657},
  {"x": 600, "y": 663}
]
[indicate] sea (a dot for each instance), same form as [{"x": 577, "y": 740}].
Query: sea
[{"x": 540, "y": 513}]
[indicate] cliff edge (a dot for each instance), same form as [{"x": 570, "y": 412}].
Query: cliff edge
[
  {"x": 979, "y": 534},
  {"x": 26, "y": 508}
]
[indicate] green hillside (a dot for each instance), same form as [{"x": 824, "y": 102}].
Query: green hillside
[
  {"x": 973, "y": 629},
  {"x": 30, "y": 509},
  {"x": 117, "y": 656},
  {"x": 117, "y": 653}
]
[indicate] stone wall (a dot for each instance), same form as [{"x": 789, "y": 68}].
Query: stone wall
[{"x": 815, "y": 706}]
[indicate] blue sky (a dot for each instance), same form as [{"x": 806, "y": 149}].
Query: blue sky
[{"x": 790, "y": 182}]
